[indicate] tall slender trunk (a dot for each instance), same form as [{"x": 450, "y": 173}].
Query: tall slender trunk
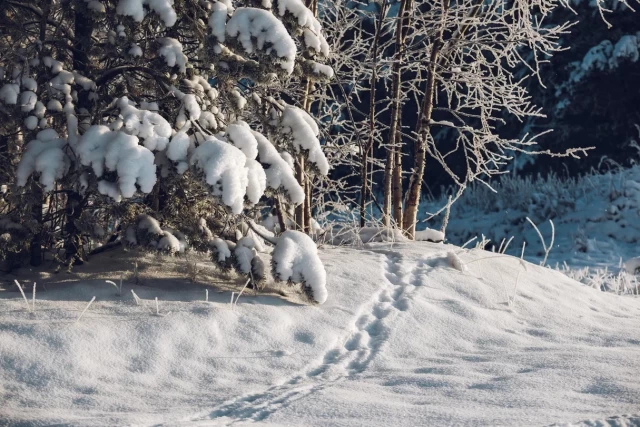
[
  {"x": 307, "y": 205},
  {"x": 393, "y": 165},
  {"x": 424, "y": 126},
  {"x": 83, "y": 28},
  {"x": 299, "y": 213},
  {"x": 436, "y": 60},
  {"x": 280, "y": 212},
  {"x": 35, "y": 246},
  {"x": 303, "y": 211},
  {"x": 365, "y": 188}
]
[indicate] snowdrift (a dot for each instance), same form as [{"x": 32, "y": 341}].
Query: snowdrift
[{"x": 403, "y": 339}]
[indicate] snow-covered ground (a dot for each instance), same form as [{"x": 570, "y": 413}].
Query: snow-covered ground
[
  {"x": 404, "y": 339},
  {"x": 596, "y": 220}
]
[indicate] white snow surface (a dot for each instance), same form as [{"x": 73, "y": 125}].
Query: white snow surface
[{"x": 403, "y": 339}]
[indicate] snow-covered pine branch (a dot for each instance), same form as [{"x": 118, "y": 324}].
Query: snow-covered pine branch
[{"x": 157, "y": 108}]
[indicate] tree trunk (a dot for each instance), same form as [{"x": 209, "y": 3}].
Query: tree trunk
[
  {"x": 73, "y": 239},
  {"x": 280, "y": 212},
  {"x": 393, "y": 166},
  {"x": 388, "y": 180},
  {"x": 83, "y": 28},
  {"x": 420, "y": 148},
  {"x": 303, "y": 211},
  {"x": 365, "y": 188},
  {"x": 307, "y": 205},
  {"x": 35, "y": 246},
  {"x": 300, "y": 210},
  {"x": 436, "y": 60}
]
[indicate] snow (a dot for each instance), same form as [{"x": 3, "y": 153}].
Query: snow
[
  {"x": 149, "y": 224},
  {"x": 305, "y": 132},
  {"x": 279, "y": 173},
  {"x": 54, "y": 105},
  {"x": 430, "y": 235},
  {"x": 9, "y": 93},
  {"x": 171, "y": 50},
  {"x": 31, "y": 122},
  {"x": 240, "y": 135},
  {"x": 135, "y": 51},
  {"x": 170, "y": 243},
  {"x": 224, "y": 169},
  {"x": 244, "y": 253},
  {"x": 313, "y": 37},
  {"x": 28, "y": 101},
  {"x": 135, "y": 9},
  {"x": 375, "y": 234},
  {"x": 627, "y": 48},
  {"x": 95, "y": 5},
  {"x": 632, "y": 265},
  {"x": 295, "y": 259},
  {"x": 190, "y": 103},
  {"x": 44, "y": 155},
  {"x": 595, "y": 219},
  {"x": 117, "y": 151},
  {"x": 325, "y": 70},
  {"x": 403, "y": 339},
  {"x": 249, "y": 23},
  {"x": 222, "y": 252},
  {"x": 179, "y": 147},
  {"x": 150, "y": 126},
  {"x": 217, "y": 20}
]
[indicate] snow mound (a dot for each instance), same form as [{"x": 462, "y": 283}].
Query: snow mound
[{"x": 430, "y": 235}]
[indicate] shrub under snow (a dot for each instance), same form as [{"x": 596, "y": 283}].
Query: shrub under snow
[{"x": 295, "y": 259}]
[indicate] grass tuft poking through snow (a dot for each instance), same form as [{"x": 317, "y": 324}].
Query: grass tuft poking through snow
[
  {"x": 85, "y": 309},
  {"x": 23, "y": 295},
  {"x": 118, "y": 288},
  {"x": 135, "y": 297}
]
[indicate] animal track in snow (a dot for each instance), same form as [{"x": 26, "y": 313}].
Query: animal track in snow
[{"x": 352, "y": 357}]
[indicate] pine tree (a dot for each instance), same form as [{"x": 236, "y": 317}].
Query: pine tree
[{"x": 161, "y": 120}]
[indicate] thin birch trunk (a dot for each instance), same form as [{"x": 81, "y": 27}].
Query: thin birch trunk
[
  {"x": 303, "y": 211},
  {"x": 365, "y": 189},
  {"x": 424, "y": 126},
  {"x": 393, "y": 166}
]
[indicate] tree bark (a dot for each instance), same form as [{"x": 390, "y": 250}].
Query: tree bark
[
  {"x": 300, "y": 210},
  {"x": 35, "y": 246},
  {"x": 436, "y": 60},
  {"x": 83, "y": 28},
  {"x": 365, "y": 189},
  {"x": 420, "y": 148},
  {"x": 393, "y": 166},
  {"x": 280, "y": 212}
]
